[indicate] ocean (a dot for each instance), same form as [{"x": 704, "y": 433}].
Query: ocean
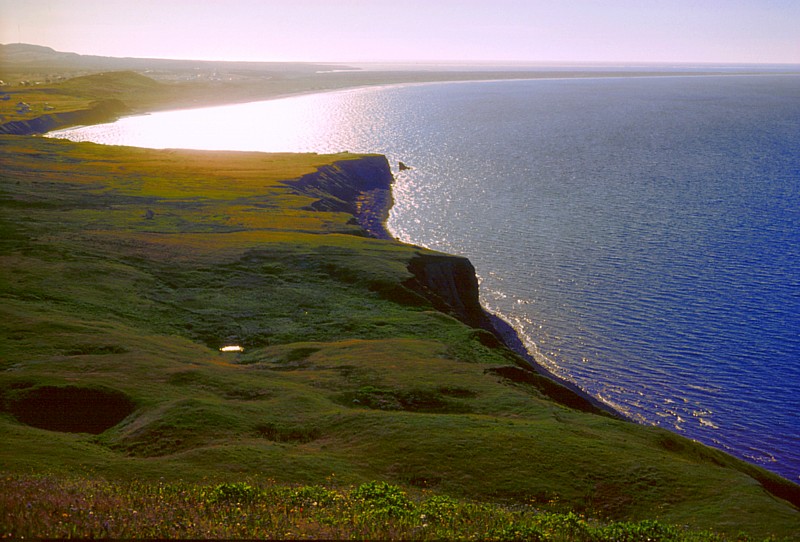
[{"x": 642, "y": 234}]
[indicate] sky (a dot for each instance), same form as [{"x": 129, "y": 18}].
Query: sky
[{"x": 566, "y": 31}]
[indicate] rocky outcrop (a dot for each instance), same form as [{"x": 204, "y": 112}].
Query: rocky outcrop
[
  {"x": 360, "y": 187},
  {"x": 556, "y": 391},
  {"x": 450, "y": 284},
  {"x": 103, "y": 111}
]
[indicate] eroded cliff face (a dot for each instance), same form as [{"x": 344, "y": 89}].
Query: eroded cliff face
[
  {"x": 447, "y": 282},
  {"x": 450, "y": 284},
  {"x": 104, "y": 111},
  {"x": 360, "y": 187}
]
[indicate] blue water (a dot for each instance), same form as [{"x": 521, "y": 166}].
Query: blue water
[{"x": 642, "y": 234}]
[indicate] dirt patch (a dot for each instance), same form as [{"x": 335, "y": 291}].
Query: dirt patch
[{"x": 70, "y": 409}]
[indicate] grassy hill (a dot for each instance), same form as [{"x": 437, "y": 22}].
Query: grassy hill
[{"x": 125, "y": 271}]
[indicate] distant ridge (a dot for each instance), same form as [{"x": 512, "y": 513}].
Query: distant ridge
[{"x": 28, "y": 56}]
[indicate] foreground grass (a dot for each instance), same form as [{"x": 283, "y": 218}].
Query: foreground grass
[{"x": 36, "y": 507}]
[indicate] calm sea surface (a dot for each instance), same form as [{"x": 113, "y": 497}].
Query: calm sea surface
[{"x": 642, "y": 234}]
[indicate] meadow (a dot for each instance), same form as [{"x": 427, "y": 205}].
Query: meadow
[{"x": 75, "y": 508}]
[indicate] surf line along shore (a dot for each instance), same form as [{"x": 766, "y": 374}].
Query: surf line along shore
[{"x": 363, "y": 189}]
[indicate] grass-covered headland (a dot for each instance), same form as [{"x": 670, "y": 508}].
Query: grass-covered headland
[{"x": 364, "y": 401}]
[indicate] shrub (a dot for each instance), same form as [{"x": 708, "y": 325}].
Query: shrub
[
  {"x": 381, "y": 499},
  {"x": 570, "y": 524},
  {"x": 438, "y": 508},
  {"x": 238, "y": 492},
  {"x": 516, "y": 533},
  {"x": 645, "y": 531},
  {"x": 313, "y": 496}
]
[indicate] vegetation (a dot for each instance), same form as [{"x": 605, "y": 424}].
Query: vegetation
[
  {"x": 78, "y": 94},
  {"x": 124, "y": 271},
  {"x": 78, "y": 508}
]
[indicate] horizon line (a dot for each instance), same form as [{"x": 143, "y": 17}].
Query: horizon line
[{"x": 442, "y": 62}]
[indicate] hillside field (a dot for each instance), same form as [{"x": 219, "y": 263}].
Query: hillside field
[{"x": 125, "y": 271}]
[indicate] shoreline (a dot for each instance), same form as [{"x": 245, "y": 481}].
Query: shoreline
[
  {"x": 407, "y": 79},
  {"x": 511, "y": 334},
  {"x": 373, "y": 213},
  {"x": 514, "y": 443},
  {"x": 374, "y": 206}
]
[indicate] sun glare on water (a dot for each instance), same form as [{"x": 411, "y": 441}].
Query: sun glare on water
[
  {"x": 280, "y": 125},
  {"x": 231, "y": 348}
]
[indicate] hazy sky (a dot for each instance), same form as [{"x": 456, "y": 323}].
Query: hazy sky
[{"x": 744, "y": 31}]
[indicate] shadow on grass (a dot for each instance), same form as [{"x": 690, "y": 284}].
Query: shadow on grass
[{"x": 70, "y": 409}]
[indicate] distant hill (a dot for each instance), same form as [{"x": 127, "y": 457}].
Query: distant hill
[{"x": 23, "y": 56}]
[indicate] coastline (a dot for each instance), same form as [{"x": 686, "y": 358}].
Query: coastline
[
  {"x": 363, "y": 189},
  {"x": 387, "y": 202},
  {"x": 518, "y": 442},
  {"x": 374, "y": 208},
  {"x": 102, "y": 112}
]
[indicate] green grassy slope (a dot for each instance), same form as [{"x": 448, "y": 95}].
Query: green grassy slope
[{"x": 125, "y": 270}]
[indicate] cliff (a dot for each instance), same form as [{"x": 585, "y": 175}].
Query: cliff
[
  {"x": 102, "y": 111},
  {"x": 449, "y": 283},
  {"x": 361, "y": 188}
]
